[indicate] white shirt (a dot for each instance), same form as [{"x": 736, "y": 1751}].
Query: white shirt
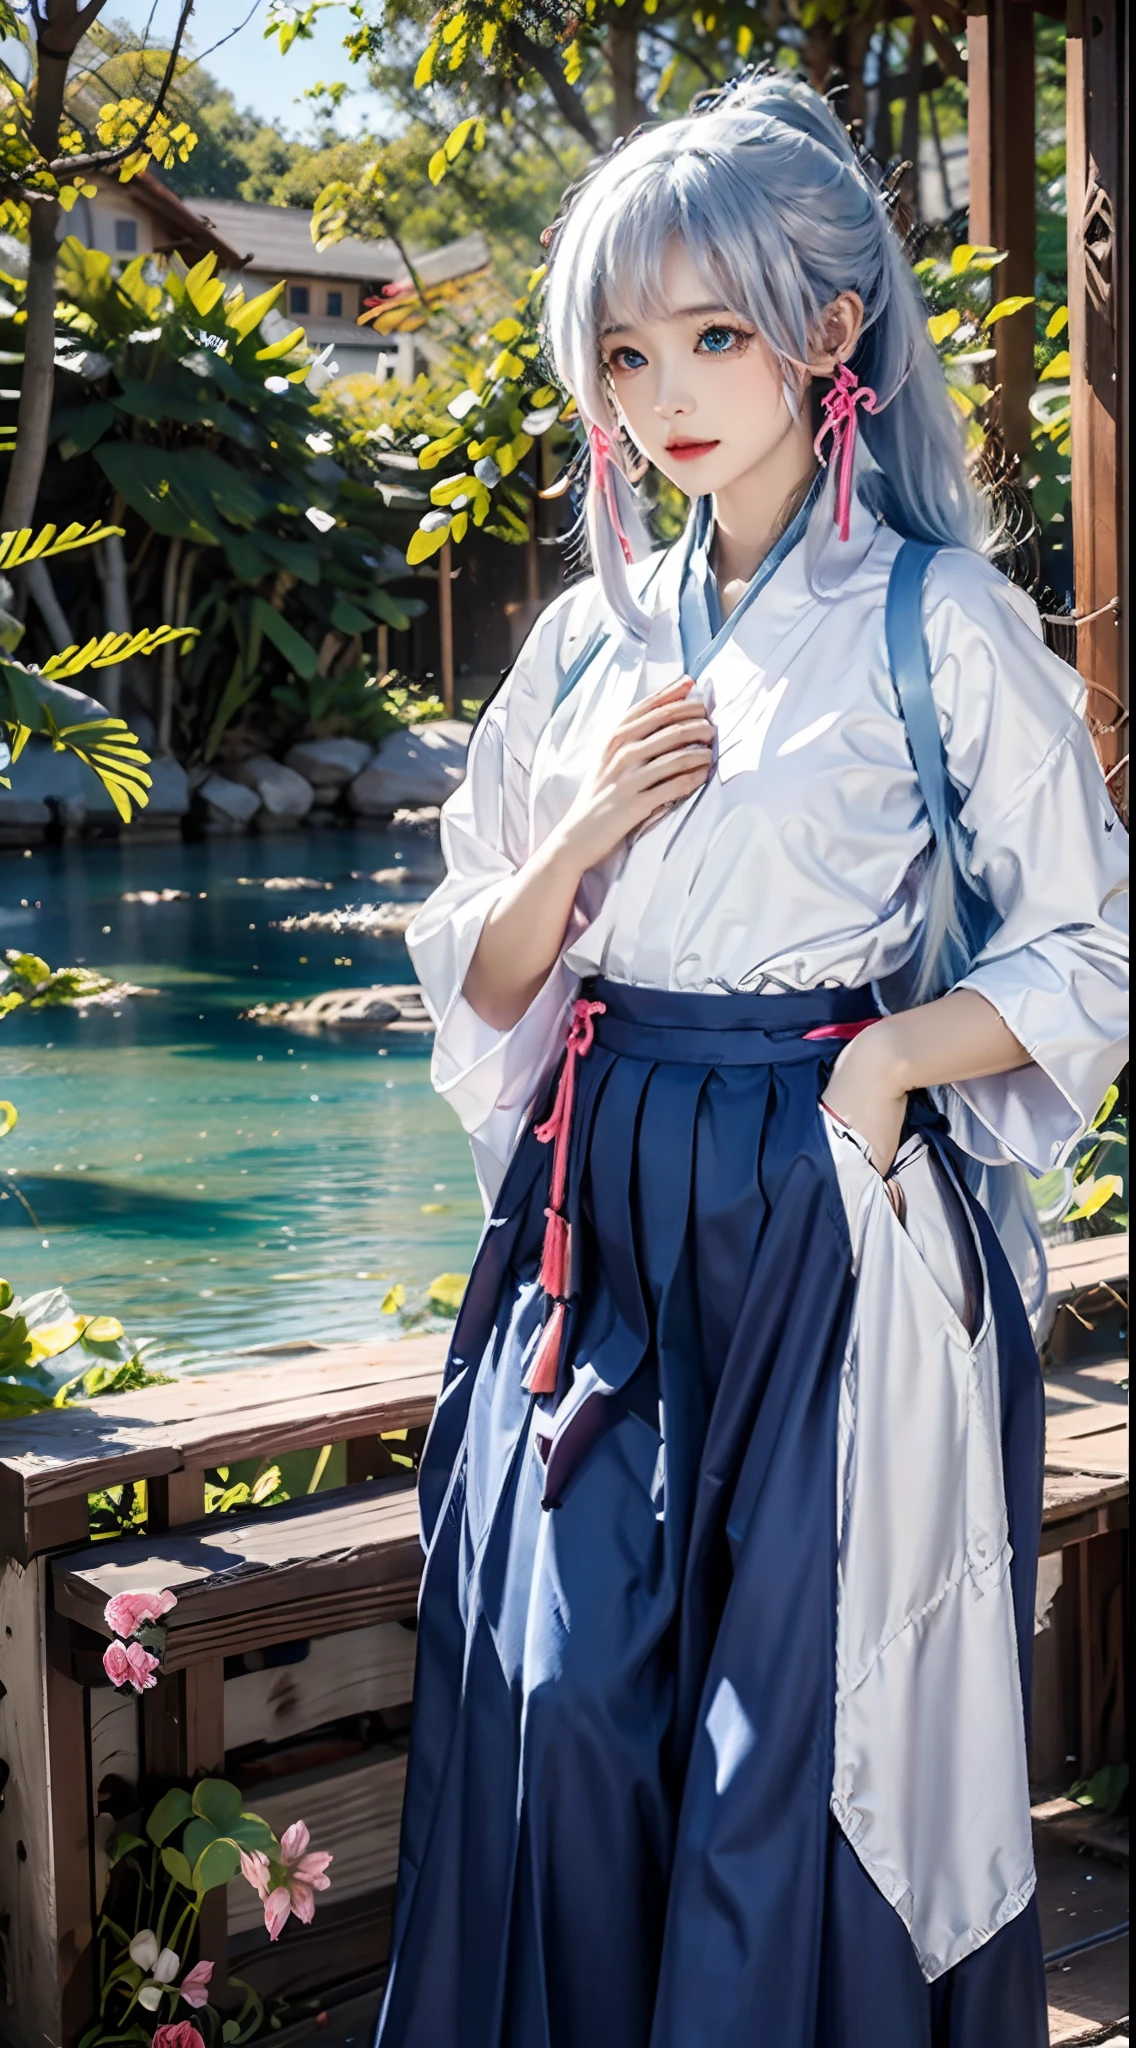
[{"x": 801, "y": 863}]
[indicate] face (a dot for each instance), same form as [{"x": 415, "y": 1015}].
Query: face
[{"x": 699, "y": 388}]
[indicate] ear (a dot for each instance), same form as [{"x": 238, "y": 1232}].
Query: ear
[{"x": 837, "y": 332}]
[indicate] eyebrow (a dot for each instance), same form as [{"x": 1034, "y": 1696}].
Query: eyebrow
[{"x": 680, "y": 313}]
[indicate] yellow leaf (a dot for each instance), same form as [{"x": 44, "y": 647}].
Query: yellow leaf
[
  {"x": 942, "y": 324},
  {"x": 573, "y": 61},
  {"x": 11, "y": 1116},
  {"x": 393, "y": 1300},
  {"x": 451, "y": 487},
  {"x": 103, "y": 1330},
  {"x": 964, "y": 255},
  {"x": 1057, "y": 323},
  {"x": 506, "y": 329},
  {"x": 437, "y": 167},
  {"x": 53, "y": 1338},
  {"x": 743, "y": 45},
  {"x": 1060, "y": 367},
  {"x": 446, "y": 1291},
  {"x": 1093, "y": 1197},
  {"x": 425, "y": 70},
  {"x": 456, "y": 141},
  {"x": 961, "y": 400},
  {"x": 283, "y": 347},
  {"x": 488, "y": 37},
  {"x": 507, "y": 365},
  {"x": 1006, "y": 307},
  {"x": 424, "y": 544},
  {"x": 459, "y": 525},
  {"x": 251, "y": 315},
  {"x": 200, "y": 274},
  {"x": 454, "y": 26}
]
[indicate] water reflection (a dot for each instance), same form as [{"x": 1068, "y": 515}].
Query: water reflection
[{"x": 215, "y": 1183}]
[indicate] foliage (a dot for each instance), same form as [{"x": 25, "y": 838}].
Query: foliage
[
  {"x": 1091, "y": 1189},
  {"x": 1105, "y": 1792},
  {"x": 194, "y": 422},
  {"x": 121, "y": 134},
  {"x": 51, "y": 1357},
  {"x": 28, "y": 979},
  {"x": 35, "y": 701},
  {"x": 195, "y": 1841}
]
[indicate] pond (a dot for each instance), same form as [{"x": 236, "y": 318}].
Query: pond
[{"x": 214, "y": 1183}]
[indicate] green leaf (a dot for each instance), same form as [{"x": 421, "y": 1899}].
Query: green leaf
[
  {"x": 121, "y": 1845},
  {"x": 197, "y": 1838},
  {"x": 177, "y": 1866},
  {"x": 77, "y": 429},
  {"x": 251, "y": 1832},
  {"x": 216, "y": 1865},
  {"x": 218, "y": 1802},
  {"x": 1106, "y": 1108},
  {"x": 391, "y": 611},
  {"x": 292, "y": 645},
  {"x": 174, "y": 1807},
  {"x": 347, "y": 618}
]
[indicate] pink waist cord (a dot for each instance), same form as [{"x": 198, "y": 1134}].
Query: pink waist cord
[
  {"x": 842, "y": 1030},
  {"x": 556, "y": 1255}
]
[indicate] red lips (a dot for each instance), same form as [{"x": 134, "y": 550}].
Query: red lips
[{"x": 689, "y": 451}]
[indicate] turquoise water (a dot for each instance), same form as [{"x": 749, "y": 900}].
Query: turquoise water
[{"x": 213, "y": 1183}]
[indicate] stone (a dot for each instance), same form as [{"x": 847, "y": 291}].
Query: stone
[
  {"x": 427, "y": 818},
  {"x": 329, "y": 764},
  {"x": 286, "y": 796},
  {"x": 169, "y": 789},
  {"x": 232, "y": 803},
  {"x": 422, "y": 764},
  {"x": 387, "y": 1007}
]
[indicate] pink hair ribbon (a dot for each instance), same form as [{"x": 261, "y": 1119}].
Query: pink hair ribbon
[
  {"x": 605, "y": 485},
  {"x": 556, "y": 1256},
  {"x": 839, "y": 408}
]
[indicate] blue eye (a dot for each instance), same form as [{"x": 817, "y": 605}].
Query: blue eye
[
  {"x": 628, "y": 358},
  {"x": 718, "y": 341}
]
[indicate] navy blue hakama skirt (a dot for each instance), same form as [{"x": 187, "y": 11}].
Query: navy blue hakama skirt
[{"x": 570, "y": 1875}]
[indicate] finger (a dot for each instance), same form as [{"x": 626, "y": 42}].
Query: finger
[
  {"x": 689, "y": 763},
  {"x": 668, "y": 739},
  {"x": 666, "y": 796},
  {"x": 674, "y": 702},
  {"x": 670, "y": 727}
]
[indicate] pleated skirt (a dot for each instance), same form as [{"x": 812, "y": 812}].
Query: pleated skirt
[{"x": 586, "y": 1862}]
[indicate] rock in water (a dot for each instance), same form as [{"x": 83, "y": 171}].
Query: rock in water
[
  {"x": 386, "y": 1007},
  {"x": 328, "y": 764},
  {"x": 421, "y": 765},
  {"x": 286, "y": 796}
]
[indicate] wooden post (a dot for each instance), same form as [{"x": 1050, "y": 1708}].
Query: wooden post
[
  {"x": 446, "y": 624},
  {"x": 382, "y": 649},
  {"x": 1096, "y": 149},
  {"x": 1000, "y": 88}
]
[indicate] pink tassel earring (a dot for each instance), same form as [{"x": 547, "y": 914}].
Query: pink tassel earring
[
  {"x": 601, "y": 461},
  {"x": 839, "y": 408}
]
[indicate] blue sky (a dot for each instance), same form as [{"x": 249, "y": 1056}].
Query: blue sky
[{"x": 253, "y": 69}]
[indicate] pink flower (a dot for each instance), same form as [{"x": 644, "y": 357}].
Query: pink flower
[
  {"x": 126, "y": 1613},
  {"x": 301, "y": 1873},
  {"x": 130, "y": 1664},
  {"x": 194, "y": 1986},
  {"x": 177, "y": 2034}
]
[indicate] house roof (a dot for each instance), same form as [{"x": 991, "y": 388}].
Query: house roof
[
  {"x": 184, "y": 228},
  {"x": 278, "y": 239}
]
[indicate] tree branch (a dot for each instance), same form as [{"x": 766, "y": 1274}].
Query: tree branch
[
  {"x": 101, "y": 160},
  {"x": 546, "y": 65}
]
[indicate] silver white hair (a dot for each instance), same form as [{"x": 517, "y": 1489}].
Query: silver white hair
[{"x": 764, "y": 191}]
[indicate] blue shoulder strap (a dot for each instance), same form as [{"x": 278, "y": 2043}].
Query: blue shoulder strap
[{"x": 911, "y": 674}]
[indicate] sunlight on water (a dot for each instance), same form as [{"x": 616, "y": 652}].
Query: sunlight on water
[{"x": 215, "y": 1183}]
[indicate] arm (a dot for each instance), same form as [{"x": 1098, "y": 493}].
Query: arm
[
  {"x": 960, "y": 1037},
  {"x": 659, "y": 754}
]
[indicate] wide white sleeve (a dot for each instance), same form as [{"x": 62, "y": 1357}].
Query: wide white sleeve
[
  {"x": 1047, "y": 847},
  {"x": 491, "y": 1078}
]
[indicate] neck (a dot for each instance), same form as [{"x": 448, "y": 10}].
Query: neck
[{"x": 751, "y": 513}]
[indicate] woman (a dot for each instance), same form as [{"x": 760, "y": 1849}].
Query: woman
[{"x": 731, "y": 1500}]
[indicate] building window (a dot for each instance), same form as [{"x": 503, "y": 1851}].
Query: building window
[
  {"x": 126, "y": 237},
  {"x": 335, "y": 305},
  {"x": 297, "y": 298}
]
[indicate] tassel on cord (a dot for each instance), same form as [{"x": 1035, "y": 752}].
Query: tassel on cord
[
  {"x": 839, "y": 409},
  {"x": 556, "y": 1255},
  {"x": 605, "y": 485}
]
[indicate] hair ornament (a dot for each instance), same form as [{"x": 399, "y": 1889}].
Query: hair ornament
[
  {"x": 839, "y": 408},
  {"x": 600, "y": 446}
]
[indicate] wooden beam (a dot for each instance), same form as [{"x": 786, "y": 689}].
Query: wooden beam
[
  {"x": 446, "y": 623},
  {"x": 1000, "y": 88},
  {"x": 1096, "y": 148}
]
